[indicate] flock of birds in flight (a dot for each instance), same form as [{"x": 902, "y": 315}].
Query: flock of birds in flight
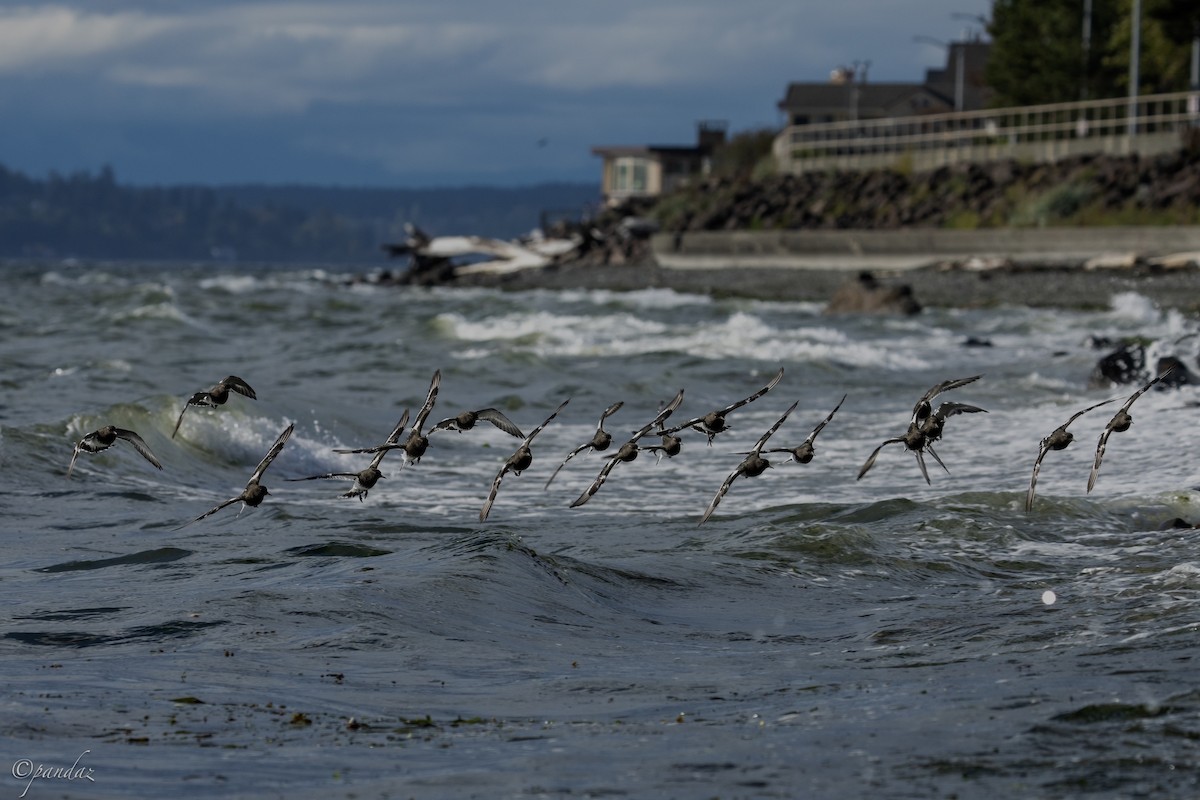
[{"x": 925, "y": 428}]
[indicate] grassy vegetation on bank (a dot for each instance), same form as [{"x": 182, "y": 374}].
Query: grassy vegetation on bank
[{"x": 1082, "y": 191}]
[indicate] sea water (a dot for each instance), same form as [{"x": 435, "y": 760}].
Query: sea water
[{"x": 819, "y": 636}]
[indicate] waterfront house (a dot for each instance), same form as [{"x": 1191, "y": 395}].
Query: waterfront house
[
  {"x": 651, "y": 170},
  {"x": 848, "y": 96}
]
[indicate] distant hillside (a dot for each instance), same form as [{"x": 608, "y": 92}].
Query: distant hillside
[
  {"x": 94, "y": 217},
  {"x": 502, "y": 213}
]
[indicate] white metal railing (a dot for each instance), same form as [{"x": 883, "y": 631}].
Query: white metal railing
[{"x": 1042, "y": 133}]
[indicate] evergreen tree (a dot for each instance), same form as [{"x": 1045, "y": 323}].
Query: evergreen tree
[
  {"x": 1165, "y": 45},
  {"x": 1038, "y": 53}
]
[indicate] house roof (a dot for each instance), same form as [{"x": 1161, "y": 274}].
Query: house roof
[
  {"x": 874, "y": 99},
  {"x": 649, "y": 149}
]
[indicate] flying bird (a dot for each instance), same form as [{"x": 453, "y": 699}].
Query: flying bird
[
  {"x": 417, "y": 442},
  {"x": 752, "y": 465},
  {"x": 804, "y": 452},
  {"x": 628, "y": 451},
  {"x": 1120, "y": 423},
  {"x": 105, "y": 438},
  {"x": 517, "y": 462},
  {"x": 925, "y": 421},
  {"x": 255, "y": 492},
  {"x": 599, "y": 442},
  {"x": 935, "y": 424},
  {"x": 465, "y": 421},
  {"x": 713, "y": 422},
  {"x": 365, "y": 479},
  {"x": 216, "y": 396},
  {"x": 1058, "y": 439}
]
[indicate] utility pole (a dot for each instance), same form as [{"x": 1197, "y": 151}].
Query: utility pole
[
  {"x": 1087, "y": 49},
  {"x": 1135, "y": 47},
  {"x": 1194, "y": 82}
]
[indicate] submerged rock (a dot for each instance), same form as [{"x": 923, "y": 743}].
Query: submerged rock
[{"x": 1127, "y": 365}]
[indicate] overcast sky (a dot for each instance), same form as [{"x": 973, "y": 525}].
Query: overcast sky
[{"x": 420, "y": 93}]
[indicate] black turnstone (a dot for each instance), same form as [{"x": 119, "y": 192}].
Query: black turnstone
[
  {"x": 752, "y": 465},
  {"x": 629, "y": 450},
  {"x": 254, "y": 492},
  {"x": 216, "y": 396},
  {"x": 713, "y": 422},
  {"x": 1058, "y": 439},
  {"x": 365, "y": 479},
  {"x": 923, "y": 422},
  {"x": 804, "y": 452},
  {"x": 1120, "y": 423},
  {"x": 599, "y": 442},
  {"x": 417, "y": 442},
  {"x": 465, "y": 421},
  {"x": 517, "y": 462},
  {"x": 105, "y": 438}
]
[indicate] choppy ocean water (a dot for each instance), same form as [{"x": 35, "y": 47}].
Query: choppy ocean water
[{"x": 819, "y": 636}]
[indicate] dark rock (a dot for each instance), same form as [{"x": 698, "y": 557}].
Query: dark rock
[
  {"x": 1125, "y": 365},
  {"x": 1180, "y": 376},
  {"x": 865, "y": 295}
]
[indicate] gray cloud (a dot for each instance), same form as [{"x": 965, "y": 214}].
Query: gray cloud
[{"x": 416, "y": 92}]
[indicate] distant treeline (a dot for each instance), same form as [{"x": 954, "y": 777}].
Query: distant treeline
[{"x": 92, "y": 216}]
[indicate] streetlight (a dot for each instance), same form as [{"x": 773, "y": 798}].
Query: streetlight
[{"x": 958, "y": 51}]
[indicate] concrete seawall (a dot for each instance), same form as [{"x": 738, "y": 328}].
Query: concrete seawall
[{"x": 923, "y": 247}]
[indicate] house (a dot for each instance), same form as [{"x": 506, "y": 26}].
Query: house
[
  {"x": 651, "y": 170},
  {"x": 959, "y": 86}
]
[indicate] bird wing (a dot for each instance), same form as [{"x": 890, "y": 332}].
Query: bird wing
[
  {"x": 240, "y": 386},
  {"x": 1100, "y": 445},
  {"x": 487, "y": 506},
  {"x": 608, "y": 412},
  {"x": 1079, "y": 414},
  {"x": 138, "y": 444},
  {"x": 812, "y": 437},
  {"x": 601, "y": 477},
  {"x": 212, "y": 511},
  {"x": 921, "y": 463},
  {"x": 1037, "y": 467},
  {"x": 945, "y": 410},
  {"x": 539, "y": 428},
  {"x": 758, "y": 446},
  {"x": 393, "y": 438},
  {"x": 945, "y": 386},
  {"x": 179, "y": 421},
  {"x": 720, "y": 493},
  {"x": 570, "y": 455},
  {"x": 770, "y": 385},
  {"x": 924, "y": 403},
  {"x": 499, "y": 420},
  {"x": 870, "y": 462},
  {"x": 429, "y": 401},
  {"x": 74, "y": 455},
  {"x": 198, "y": 399},
  {"x": 270, "y": 456},
  {"x": 1146, "y": 388},
  {"x": 929, "y": 449},
  {"x": 662, "y": 415},
  {"x": 375, "y": 448},
  {"x": 326, "y": 475}
]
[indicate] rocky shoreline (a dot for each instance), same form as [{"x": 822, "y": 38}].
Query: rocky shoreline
[{"x": 964, "y": 236}]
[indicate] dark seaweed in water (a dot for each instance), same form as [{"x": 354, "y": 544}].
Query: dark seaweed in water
[{"x": 819, "y": 636}]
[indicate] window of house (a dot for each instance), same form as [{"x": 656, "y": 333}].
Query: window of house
[{"x": 629, "y": 174}]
